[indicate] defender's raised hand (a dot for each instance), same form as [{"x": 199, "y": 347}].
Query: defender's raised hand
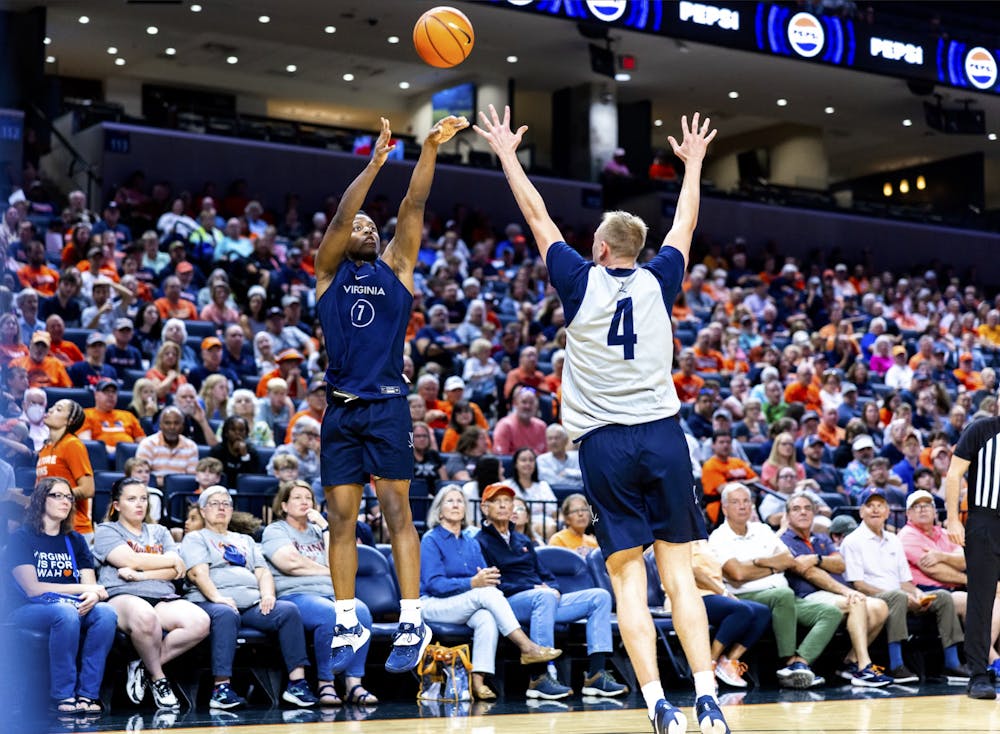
[
  {"x": 694, "y": 141},
  {"x": 497, "y": 132},
  {"x": 382, "y": 147},
  {"x": 446, "y": 128}
]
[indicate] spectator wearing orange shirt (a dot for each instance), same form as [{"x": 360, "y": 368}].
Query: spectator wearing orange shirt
[
  {"x": 526, "y": 373},
  {"x": 436, "y": 411},
  {"x": 706, "y": 359},
  {"x": 454, "y": 392},
  {"x": 65, "y": 351},
  {"x": 11, "y": 347},
  {"x": 686, "y": 382},
  {"x": 171, "y": 305},
  {"x": 36, "y": 274},
  {"x": 315, "y": 406},
  {"x": 43, "y": 369},
  {"x": 107, "y": 424},
  {"x": 828, "y": 430},
  {"x": 966, "y": 375},
  {"x": 925, "y": 352},
  {"x": 553, "y": 382},
  {"x": 65, "y": 456},
  {"x": 803, "y": 389},
  {"x": 290, "y": 370},
  {"x": 720, "y": 469}
]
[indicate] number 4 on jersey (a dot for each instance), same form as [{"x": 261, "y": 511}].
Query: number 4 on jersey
[{"x": 622, "y": 331}]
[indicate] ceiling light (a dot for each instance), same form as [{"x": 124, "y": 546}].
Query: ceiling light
[
  {"x": 152, "y": 30},
  {"x": 393, "y": 39},
  {"x": 921, "y": 183},
  {"x": 622, "y": 77},
  {"x": 404, "y": 85},
  {"x": 904, "y": 186},
  {"x": 887, "y": 189},
  {"x": 47, "y": 40},
  {"x": 196, "y": 8},
  {"x": 291, "y": 68},
  {"x": 907, "y": 122},
  {"x": 991, "y": 136},
  {"x": 112, "y": 50},
  {"x": 512, "y": 59},
  {"x": 330, "y": 29},
  {"x": 119, "y": 62},
  {"x": 232, "y": 60},
  {"x": 658, "y": 123},
  {"x": 782, "y": 102},
  {"x": 264, "y": 19},
  {"x": 829, "y": 110},
  {"x": 348, "y": 77},
  {"x": 84, "y": 19},
  {"x": 734, "y": 95},
  {"x": 170, "y": 51},
  {"x": 50, "y": 59}
]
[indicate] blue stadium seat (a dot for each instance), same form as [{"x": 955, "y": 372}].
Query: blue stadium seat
[
  {"x": 131, "y": 376},
  {"x": 256, "y": 483},
  {"x": 24, "y": 479},
  {"x": 179, "y": 483},
  {"x": 124, "y": 398},
  {"x": 375, "y": 587},
  {"x": 569, "y": 568},
  {"x": 756, "y": 452},
  {"x": 104, "y": 479},
  {"x": 98, "y": 454},
  {"x": 200, "y": 329},
  {"x": 78, "y": 337},
  {"x": 203, "y": 451},
  {"x": 599, "y": 572},
  {"x": 265, "y": 453},
  {"x": 124, "y": 452},
  {"x": 81, "y": 395}
]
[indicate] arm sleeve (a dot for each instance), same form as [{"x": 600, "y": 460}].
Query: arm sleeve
[
  {"x": 105, "y": 541},
  {"x": 274, "y": 539},
  {"x": 194, "y": 551}
]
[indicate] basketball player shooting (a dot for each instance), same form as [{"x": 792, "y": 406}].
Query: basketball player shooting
[
  {"x": 620, "y": 405},
  {"x": 364, "y": 300}
]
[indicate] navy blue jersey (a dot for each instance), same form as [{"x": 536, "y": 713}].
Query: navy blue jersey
[{"x": 364, "y": 314}]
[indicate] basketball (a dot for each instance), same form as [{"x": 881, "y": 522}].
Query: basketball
[{"x": 443, "y": 37}]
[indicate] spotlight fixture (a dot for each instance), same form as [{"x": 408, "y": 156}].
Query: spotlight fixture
[
  {"x": 734, "y": 95},
  {"x": 887, "y": 189},
  {"x": 196, "y": 8},
  {"x": 393, "y": 39},
  {"x": 904, "y": 186},
  {"x": 621, "y": 76},
  {"x": 170, "y": 51},
  {"x": 348, "y": 77},
  {"x": 119, "y": 61},
  {"x": 782, "y": 102},
  {"x": 921, "y": 183},
  {"x": 829, "y": 110},
  {"x": 264, "y": 19},
  {"x": 330, "y": 29},
  {"x": 512, "y": 59},
  {"x": 291, "y": 68},
  {"x": 152, "y": 30},
  {"x": 907, "y": 122},
  {"x": 84, "y": 20},
  {"x": 232, "y": 60},
  {"x": 112, "y": 50},
  {"x": 404, "y": 85}
]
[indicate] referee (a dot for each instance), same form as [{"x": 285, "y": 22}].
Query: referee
[{"x": 978, "y": 452}]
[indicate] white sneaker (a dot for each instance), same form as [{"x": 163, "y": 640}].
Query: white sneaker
[
  {"x": 163, "y": 694},
  {"x": 135, "y": 681}
]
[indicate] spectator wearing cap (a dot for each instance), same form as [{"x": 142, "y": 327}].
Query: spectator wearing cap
[
  {"x": 64, "y": 302},
  {"x": 314, "y": 406},
  {"x": 935, "y": 561},
  {"x": 808, "y": 426},
  {"x": 840, "y": 527},
  {"x": 454, "y": 392},
  {"x": 876, "y": 565},
  {"x": 686, "y": 382},
  {"x": 939, "y": 369},
  {"x": 521, "y": 428},
  {"x": 817, "y": 469},
  {"x": 121, "y": 354},
  {"x": 105, "y": 423},
  {"x": 856, "y": 471},
  {"x": 190, "y": 279},
  {"x": 900, "y": 374},
  {"x": 43, "y": 369},
  {"x": 828, "y": 428},
  {"x": 93, "y": 368},
  {"x": 782, "y": 456},
  {"x": 111, "y": 221},
  {"x": 721, "y": 468},
  {"x": 803, "y": 390},
  {"x": 286, "y": 337},
  {"x": 211, "y": 364},
  {"x": 910, "y": 462},
  {"x": 849, "y": 409},
  {"x": 292, "y": 306},
  {"x": 290, "y": 370},
  {"x": 966, "y": 375},
  {"x": 218, "y": 311},
  {"x": 171, "y": 305},
  {"x": 106, "y": 310},
  {"x": 722, "y": 422}
]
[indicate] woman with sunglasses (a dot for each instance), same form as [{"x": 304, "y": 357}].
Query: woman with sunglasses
[
  {"x": 139, "y": 563},
  {"x": 230, "y": 580},
  {"x": 296, "y": 546},
  {"x": 54, "y": 571}
]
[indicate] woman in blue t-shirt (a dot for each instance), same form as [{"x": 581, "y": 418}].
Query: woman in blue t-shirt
[{"x": 54, "y": 569}]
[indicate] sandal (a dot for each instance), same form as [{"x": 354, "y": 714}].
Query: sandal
[
  {"x": 484, "y": 693},
  {"x": 86, "y": 705},
  {"x": 328, "y": 695},
  {"x": 358, "y": 696},
  {"x": 64, "y": 706}
]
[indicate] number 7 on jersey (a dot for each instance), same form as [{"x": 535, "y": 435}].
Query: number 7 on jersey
[{"x": 622, "y": 332}]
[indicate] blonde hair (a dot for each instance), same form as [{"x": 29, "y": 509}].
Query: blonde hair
[
  {"x": 164, "y": 348},
  {"x": 206, "y": 396},
  {"x": 625, "y": 233},
  {"x": 137, "y": 405},
  {"x": 775, "y": 459},
  {"x": 277, "y": 383}
]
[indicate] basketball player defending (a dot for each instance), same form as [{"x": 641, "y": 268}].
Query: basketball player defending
[
  {"x": 363, "y": 301},
  {"x": 619, "y": 403}
]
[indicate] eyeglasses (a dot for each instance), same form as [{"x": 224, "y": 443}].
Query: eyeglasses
[
  {"x": 786, "y": 476},
  {"x": 918, "y": 506},
  {"x": 578, "y": 511},
  {"x": 215, "y": 505},
  {"x": 60, "y": 496},
  {"x": 785, "y": 443}
]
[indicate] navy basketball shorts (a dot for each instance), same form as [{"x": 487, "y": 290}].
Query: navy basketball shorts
[
  {"x": 639, "y": 482},
  {"x": 366, "y": 437}
]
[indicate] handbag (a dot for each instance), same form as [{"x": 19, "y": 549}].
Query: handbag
[{"x": 444, "y": 674}]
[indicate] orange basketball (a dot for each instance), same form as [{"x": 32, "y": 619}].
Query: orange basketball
[{"x": 443, "y": 37}]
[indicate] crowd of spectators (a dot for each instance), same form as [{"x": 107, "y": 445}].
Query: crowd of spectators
[{"x": 189, "y": 323}]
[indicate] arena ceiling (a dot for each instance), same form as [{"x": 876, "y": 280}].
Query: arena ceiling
[{"x": 863, "y": 134}]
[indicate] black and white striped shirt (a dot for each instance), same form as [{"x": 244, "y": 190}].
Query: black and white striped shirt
[{"x": 979, "y": 444}]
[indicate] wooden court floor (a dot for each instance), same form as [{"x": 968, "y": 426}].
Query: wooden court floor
[{"x": 910, "y": 714}]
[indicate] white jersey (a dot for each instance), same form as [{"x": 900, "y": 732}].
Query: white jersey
[{"x": 619, "y": 344}]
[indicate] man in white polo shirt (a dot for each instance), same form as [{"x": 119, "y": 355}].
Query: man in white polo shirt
[{"x": 754, "y": 561}]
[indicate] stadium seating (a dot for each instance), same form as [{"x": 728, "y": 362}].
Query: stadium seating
[{"x": 79, "y": 394}]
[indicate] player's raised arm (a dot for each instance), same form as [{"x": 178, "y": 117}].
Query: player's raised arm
[
  {"x": 401, "y": 253},
  {"x": 691, "y": 150},
  {"x": 504, "y": 143},
  {"x": 338, "y": 234}
]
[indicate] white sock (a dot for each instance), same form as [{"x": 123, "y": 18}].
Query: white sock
[
  {"x": 551, "y": 668},
  {"x": 409, "y": 612},
  {"x": 704, "y": 684},
  {"x": 346, "y": 612},
  {"x": 652, "y": 693}
]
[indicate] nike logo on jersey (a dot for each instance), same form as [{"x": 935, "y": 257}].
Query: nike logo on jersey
[
  {"x": 361, "y": 277},
  {"x": 365, "y": 290}
]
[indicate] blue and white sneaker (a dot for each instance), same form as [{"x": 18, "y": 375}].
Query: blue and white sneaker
[
  {"x": 299, "y": 693},
  {"x": 848, "y": 671},
  {"x": 547, "y": 687},
  {"x": 408, "y": 645},
  {"x": 796, "y": 675},
  {"x": 224, "y": 697},
  {"x": 668, "y": 719},
  {"x": 870, "y": 677},
  {"x": 710, "y": 718},
  {"x": 346, "y": 642}
]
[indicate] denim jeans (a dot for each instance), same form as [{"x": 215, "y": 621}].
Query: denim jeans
[
  {"x": 486, "y": 610},
  {"x": 319, "y": 617},
  {"x": 78, "y": 646},
  {"x": 542, "y": 610},
  {"x": 283, "y": 619}
]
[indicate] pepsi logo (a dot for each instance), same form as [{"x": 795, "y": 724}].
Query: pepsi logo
[
  {"x": 607, "y": 10},
  {"x": 981, "y": 68},
  {"x": 806, "y": 35}
]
